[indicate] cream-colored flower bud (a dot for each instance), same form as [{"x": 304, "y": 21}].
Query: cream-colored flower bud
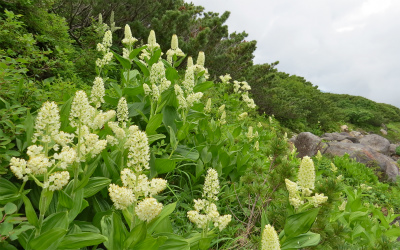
[
  {"x": 211, "y": 185},
  {"x": 98, "y": 92},
  {"x": 270, "y": 239},
  {"x": 242, "y": 116},
  {"x": 225, "y": 78},
  {"x": 318, "y": 199},
  {"x": 306, "y": 176},
  {"x": 148, "y": 209},
  {"x": 122, "y": 112},
  {"x": 249, "y": 133},
  {"x": 128, "y": 40},
  {"x": 221, "y": 108},
  {"x": 57, "y": 181},
  {"x": 257, "y": 146},
  {"x": 201, "y": 59},
  {"x": 190, "y": 62},
  {"x": 174, "y": 42},
  {"x": 222, "y": 120},
  {"x": 333, "y": 168},
  {"x": 207, "y": 108},
  {"x": 47, "y": 122},
  {"x": 342, "y": 207},
  {"x": 122, "y": 197}
]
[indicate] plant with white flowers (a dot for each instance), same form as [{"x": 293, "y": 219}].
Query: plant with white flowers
[
  {"x": 206, "y": 213},
  {"x": 300, "y": 192}
]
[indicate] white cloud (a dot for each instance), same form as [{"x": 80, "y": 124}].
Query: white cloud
[{"x": 343, "y": 46}]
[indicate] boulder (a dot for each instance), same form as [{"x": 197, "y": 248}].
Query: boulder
[
  {"x": 379, "y": 143},
  {"x": 356, "y": 134},
  {"x": 339, "y": 137},
  {"x": 364, "y": 154},
  {"x": 307, "y": 144},
  {"x": 392, "y": 149}
]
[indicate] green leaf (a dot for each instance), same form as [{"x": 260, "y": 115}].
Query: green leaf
[
  {"x": 133, "y": 92},
  {"x": 155, "y": 57},
  {"x": 94, "y": 185},
  {"x": 174, "y": 242},
  {"x": 48, "y": 240},
  {"x": 170, "y": 115},
  {"x": 124, "y": 62},
  {"x": 167, "y": 210},
  {"x": 151, "y": 243},
  {"x": 114, "y": 229},
  {"x": 64, "y": 199},
  {"x": 393, "y": 232},
  {"x": 304, "y": 240},
  {"x": 64, "y": 113},
  {"x": 177, "y": 63},
  {"x": 135, "y": 108},
  {"x": 164, "y": 165},
  {"x": 86, "y": 226},
  {"x": 28, "y": 126},
  {"x": 117, "y": 89},
  {"x": 300, "y": 223},
  {"x": 153, "y": 138},
  {"x": 10, "y": 208},
  {"x": 236, "y": 132},
  {"x": 137, "y": 235},
  {"x": 30, "y": 212},
  {"x": 188, "y": 153},
  {"x": 111, "y": 100},
  {"x": 203, "y": 86},
  {"x": 172, "y": 139},
  {"x": 8, "y": 191},
  {"x": 56, "y": 220},
  {"x": 264, "y": 218},
  {"x": 136, "y": 51},
  {"x": 142, "y": 67},
  {"x": 171, "y": 74},
  {"x": 80, "y": 240},
  {"x": 154, "y": 123}
]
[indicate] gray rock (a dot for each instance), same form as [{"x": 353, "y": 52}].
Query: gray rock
[
  {"x": 379, "y": 143},
  {"x": 346, "y": 141},
  {"x": 384, "y": 132},
  {"x": 364, "y": 154},
  {"x": 356, "y": 134},
  {"x": 392, "y": 149},
  {"x": 307, "y": 144},
  {"x": 339, "y": 137}
]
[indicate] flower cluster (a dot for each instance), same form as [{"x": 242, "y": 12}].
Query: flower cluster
[
  {"x": 158, "y": 81},
  {"x": 270, "y": 239},
  {"x": 136, "y": 185},
  {"x": 122, "y": 112},
  {"x": 205, "y": 211},
  {"x": 122, "y": 197},
  {"x": 47, "y": 123},
  {"x": 186, "y": 96},
  {"x": 98, "y": 92},
  {"x": 104, "y": 47},
  {"x": 57, "y": 181},
  {"x": 302, "y": 190},
  {"x": 226, "y": 78},
  {"x": 175, "y": 50},
  {"x": 128, "y": 40},
  {"x": 242, "y": 88},
  {"x": 148, "y": 209},
  {"x": 152, "y": 45}
]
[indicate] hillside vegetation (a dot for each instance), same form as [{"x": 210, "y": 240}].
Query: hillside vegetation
[{"x": 145, "y": 125}]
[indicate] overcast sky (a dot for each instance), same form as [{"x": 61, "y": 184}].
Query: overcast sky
[{"x": 343, "y": 46}]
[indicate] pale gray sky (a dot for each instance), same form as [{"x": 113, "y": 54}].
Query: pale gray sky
[{"x": 343, "y": 46}]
